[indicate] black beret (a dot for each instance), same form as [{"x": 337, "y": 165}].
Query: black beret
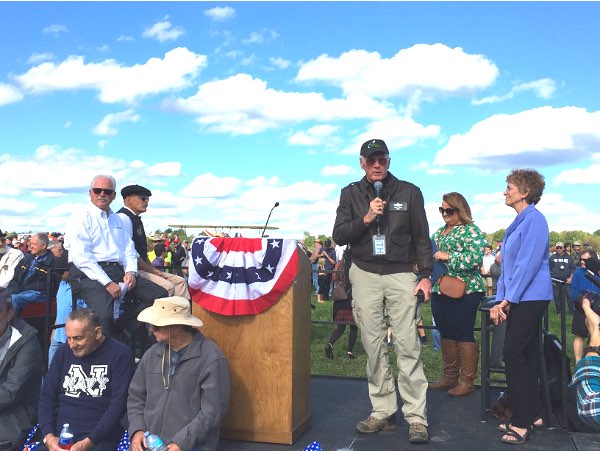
[{"x": 132, "y": 190}]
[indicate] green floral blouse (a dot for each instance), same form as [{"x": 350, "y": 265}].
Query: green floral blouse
[{"x": 465, "y": 245}]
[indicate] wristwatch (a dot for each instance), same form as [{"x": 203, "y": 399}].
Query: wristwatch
[{"x": 594, "y": 349}]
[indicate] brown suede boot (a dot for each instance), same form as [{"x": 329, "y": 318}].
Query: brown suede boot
[
  {"x": 450, "y": 360},
  {"x": 468, "y": 354}
]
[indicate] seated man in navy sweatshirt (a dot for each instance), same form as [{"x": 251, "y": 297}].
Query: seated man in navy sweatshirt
[{"x": 86, "y": 386}]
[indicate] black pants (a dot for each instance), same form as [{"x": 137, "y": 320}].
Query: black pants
[
  {"x": 99, "y": 300},
  {"x": 561, "y": 295},
  {"x": 455, "y": 318},
  {"x": 522, "y": 360}
]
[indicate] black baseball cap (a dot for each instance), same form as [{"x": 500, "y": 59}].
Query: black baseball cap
[{"x": 373, "y": 146}]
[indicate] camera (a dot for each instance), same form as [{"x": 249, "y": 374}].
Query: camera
[{"x": 594, "y": 299}]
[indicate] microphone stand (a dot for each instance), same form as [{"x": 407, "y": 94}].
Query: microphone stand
[{"x": 269, "y": 217}]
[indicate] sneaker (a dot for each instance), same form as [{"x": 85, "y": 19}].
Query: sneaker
[
  {"x": 423, "y": 339},
  {"x": 417, "y": 433},
  {"x": 389, "y": 342},
  {"x": 329, "y": 351},
  {"x": 351, "y": 356},
  {"x": 372, "y": 425}
]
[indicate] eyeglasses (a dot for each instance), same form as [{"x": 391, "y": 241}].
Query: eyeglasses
[
  {"x": 383, "y": 161},
  {"x": 108, "y": 192},
  {"x": 447, "y": 211}
]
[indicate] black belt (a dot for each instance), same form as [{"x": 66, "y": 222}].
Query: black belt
[{"x": 109, "y": 263}]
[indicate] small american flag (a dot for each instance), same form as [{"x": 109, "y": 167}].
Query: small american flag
[{"x": 314, "y": 446}]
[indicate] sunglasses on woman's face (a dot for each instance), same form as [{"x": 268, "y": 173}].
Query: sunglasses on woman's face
[{"x": 447, "y": 211}]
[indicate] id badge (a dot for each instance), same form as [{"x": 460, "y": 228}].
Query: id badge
[{"x": 378, "y": 244}]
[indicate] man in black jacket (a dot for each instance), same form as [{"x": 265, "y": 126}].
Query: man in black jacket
[
  {"x": 20, "y": 374},
  {"x": 386, "y": 226},
  {"x": 30, "y": 282}
]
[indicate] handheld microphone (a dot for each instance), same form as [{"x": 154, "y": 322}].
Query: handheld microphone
[
  {"x": 378, "y": 187},
  {"x": 269, "y": 217}
]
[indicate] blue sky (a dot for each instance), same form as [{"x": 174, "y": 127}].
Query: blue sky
[{"x": 223, "y": 109}]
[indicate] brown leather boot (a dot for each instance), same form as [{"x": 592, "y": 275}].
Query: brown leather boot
[
  {"x": 450, "y": 360},
  {"x": 468, "y": 355}
]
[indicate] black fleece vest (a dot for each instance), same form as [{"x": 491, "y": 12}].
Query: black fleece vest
[{"x": 139, "y": 235}]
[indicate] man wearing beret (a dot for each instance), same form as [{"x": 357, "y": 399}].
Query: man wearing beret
[
  {"x": 102, "y": 255},
  {"x": 135, "y": 200}
]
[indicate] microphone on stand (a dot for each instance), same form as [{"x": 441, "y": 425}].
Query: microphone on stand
[
  {"x": 378, "y": 187},
  {"x": 269, "y": 217}
]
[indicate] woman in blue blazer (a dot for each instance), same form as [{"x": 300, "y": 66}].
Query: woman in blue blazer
[{"x": 524, "y": 289}]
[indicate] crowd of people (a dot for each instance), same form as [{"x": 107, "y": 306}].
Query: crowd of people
[
  {"x": 391, "y": 263},
  {"x": 180, "y": 388}
]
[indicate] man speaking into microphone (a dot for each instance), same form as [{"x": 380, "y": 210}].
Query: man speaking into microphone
[{"x": 383, "y": 220}]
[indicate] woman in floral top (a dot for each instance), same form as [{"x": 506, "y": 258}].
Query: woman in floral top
[{"x": 460, "y": 246}]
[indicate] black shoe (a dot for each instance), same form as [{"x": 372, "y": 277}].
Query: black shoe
[
  {"x": 351, "y": 356},
  {"x": 423, "y": 339},
  {"x": 329, "y": 351}
]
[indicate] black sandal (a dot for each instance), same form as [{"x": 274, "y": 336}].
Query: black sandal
[{"x": 519, "y": 439}]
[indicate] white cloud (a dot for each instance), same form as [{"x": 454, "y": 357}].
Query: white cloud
[
  {"x": 55, "y": 29},
  {"x": 125, "y": 39},
  {"x": 261, "y": 37},
  {"x": 314, "y": 135},
  {"x": 166, "y": 169},
  {"x": 38, "y": 58},
  {"x": 108, "y": 125},
  {"x": 399, "y": 132},
  {"x": 538, "y": 137},
  {"x": 341, "y": 169},
  {"x": 9, "y": 94},
  {"x": 116, "y": 83},
  {"x": 209, "y": 185},
  {"x": 220, "y": 13},
  {"x": 430, "y": 68},
  {"x": 163, "y": 31},
  {"x": 280, "y": 62},
  {"x": 589, "y": 175},
  {"x": 544, "y": 89},
  {"x": 245, "y": 105}
]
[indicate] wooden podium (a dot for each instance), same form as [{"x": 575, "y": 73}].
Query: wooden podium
[{"x": 269, "y": 361}]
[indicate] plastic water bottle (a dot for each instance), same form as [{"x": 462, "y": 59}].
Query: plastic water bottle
[
  {"x": 154, "y": 442},
  {"x": 65, "y": 439}
]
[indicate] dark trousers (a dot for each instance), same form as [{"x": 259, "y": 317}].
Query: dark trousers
[
  {"x": 455, "y": 318},
  {"x": 337, "y": 333},
  {"x": 561, "y": 295},
  {"x": 99, "y": 300},
  {"x": 522, "y": 360}
]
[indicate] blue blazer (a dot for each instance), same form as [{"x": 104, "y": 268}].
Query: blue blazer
[{"x": 525, "y": 274}]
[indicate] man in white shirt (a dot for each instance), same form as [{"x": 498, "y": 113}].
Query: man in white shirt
[
  {"x": 488, "y": 261},
  {"x": 102, "y": 255},
  {"x": 9, "y": 259}
]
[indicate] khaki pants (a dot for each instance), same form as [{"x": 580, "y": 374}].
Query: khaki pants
[
  {"x": 174, "y": 284},
  {"x": 369, "y": 291}
]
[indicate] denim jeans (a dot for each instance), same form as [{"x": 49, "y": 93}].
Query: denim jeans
[{"x": 20, "y": 300}]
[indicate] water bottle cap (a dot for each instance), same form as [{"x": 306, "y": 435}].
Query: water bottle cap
[{"x": 66, "y": 425}]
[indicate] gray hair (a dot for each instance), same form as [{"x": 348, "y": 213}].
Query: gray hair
[
  {"x": 42, "y": 237},
  {"x": 85, "y": 315},
  {"x": 104, "y": 176}
]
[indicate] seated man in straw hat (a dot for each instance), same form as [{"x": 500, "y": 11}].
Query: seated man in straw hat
[{"x": 180, "y": 390}]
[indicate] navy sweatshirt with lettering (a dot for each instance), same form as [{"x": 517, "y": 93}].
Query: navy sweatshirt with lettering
[{"x": 89, "y": 393}]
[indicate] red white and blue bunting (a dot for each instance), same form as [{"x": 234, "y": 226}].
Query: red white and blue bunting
[{"x": 241, "y": 276}]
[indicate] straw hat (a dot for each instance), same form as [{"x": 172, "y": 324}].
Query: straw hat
[{"x": 174, "y": 310}]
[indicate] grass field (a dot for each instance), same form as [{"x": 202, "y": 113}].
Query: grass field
[{"x": 342, "y": 366}]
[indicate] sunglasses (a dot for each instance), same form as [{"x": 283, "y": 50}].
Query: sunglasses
[
  {"x": 144, "y": 198},
  {"x": 383, "y": 161},
  {"x": 559, "y": 247},
  {"x": 108, "y": 192},
  {"x": 447, "y": 211}
]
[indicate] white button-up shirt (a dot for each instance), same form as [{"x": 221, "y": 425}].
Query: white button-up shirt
[{"x": 94, "y": 236}]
